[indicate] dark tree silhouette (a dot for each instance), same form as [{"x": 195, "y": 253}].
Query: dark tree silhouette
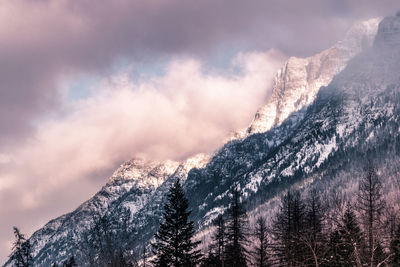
[
  {"x": 70, "y": 262},
  {"x": 173, "y": 245},
  {"x": 395, "y": 248},
  {"x": 220, "y": 240},
  {"x": 236, "y": 233},
  {"x": 21, "y": 251},
  {"x": 216, "y": 254},
  {"x": 261, "y": 247},
  {"x": 371, "y": 204},
  {"x": 350, "y": 245},
  {"x": 288, "y": 229},
  {"x": 312, "y": 236}
]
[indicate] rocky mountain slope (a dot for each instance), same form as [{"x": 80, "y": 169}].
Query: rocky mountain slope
[
  {"x": 297, "y": 83},
  {"x": 322, "y": 145}
]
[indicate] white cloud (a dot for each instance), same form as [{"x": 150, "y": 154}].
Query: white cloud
[{"x": 187, "y": 110}]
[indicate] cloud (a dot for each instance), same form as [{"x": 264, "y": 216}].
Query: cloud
[
  {"x": 191, "y": 108},
  {"x": 43, "y": 41}
]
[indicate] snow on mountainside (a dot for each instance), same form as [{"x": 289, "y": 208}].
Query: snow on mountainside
[
  {"x": 135, "y": 182},
  {"x": 297, "y": 83},
  {"x": 357, "y": 116},
  {"x": 321, "y": 145}
]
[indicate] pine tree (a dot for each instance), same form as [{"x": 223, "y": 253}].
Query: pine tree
[
  {"x": 216, "y": 255},
  {"x": 236, "y": 233},
  {"x": 334, "y": 258},
  {"x": 261, "y": 248},
  {"x": 395, "y": 248},
  {"x": 21, "y": 253},
  {"x": 144, "y": 255},
  {"x": 70, "y": 262},
  {"x": 288, "y": 230},
  {"x": 312, "y": 236},
  {"x": 220, "y": 240},
  {"x": 174, "y": 245},
  {"x": 211, "y": 260},
  {"x": 350, "y": 240}
]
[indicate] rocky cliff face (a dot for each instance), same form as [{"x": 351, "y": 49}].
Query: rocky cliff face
[
  {"x": 322, "y": 145},
  {"x": 297, "y": 83}
]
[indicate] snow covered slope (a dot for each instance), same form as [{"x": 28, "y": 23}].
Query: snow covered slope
[
  {"x": 134, "y": 184},
  {"x": 297, "y": 83}
]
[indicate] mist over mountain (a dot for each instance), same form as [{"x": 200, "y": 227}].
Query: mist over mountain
[{"x": 329, "y": 113}]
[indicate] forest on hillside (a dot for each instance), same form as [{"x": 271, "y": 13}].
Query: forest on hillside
[{"x": 306, "y": 231}]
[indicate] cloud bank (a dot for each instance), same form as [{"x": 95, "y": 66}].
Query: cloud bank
[
  {"x": 42, "y": 41},
  {"x": 189, "y": 109}
]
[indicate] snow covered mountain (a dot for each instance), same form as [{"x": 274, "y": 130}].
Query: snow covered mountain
[
  {"x": 297, "y": 83},
  {"x": 322, "y": 144}
]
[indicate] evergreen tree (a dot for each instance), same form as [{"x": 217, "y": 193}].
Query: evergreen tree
[
  {"x": 395, "y": 248},
  {"x": 174, "y": 245},
  {"x": 288, "y": 231},
  {"x": 211, "y": 260},
  {"x": 261, "y": 248},
  {"x": 236, "y": 233},
  {"x": 312, "y": 236},
  {"x": 70, "y": 262},
  {"x": 144, "y": 255},
  {"x": 21, "y": 252},
  {"x": 220, "y": 240},
  {"x": 216, "y": 255},
  {"x": 334, "y": 258},
  {"x": 350, "y": 247}
]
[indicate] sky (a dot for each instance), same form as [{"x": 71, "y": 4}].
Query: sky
[{"x": 86, "y": 86}]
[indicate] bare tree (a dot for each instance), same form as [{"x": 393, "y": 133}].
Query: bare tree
[{"x": 371, "y": 205}]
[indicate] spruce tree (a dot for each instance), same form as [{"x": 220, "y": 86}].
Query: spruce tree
[
  {"x": 216, "y": 255},
  {"x": 395, "y": 248},
  {"x": 350, "y": 249},
  {"x": 21, "y": 253},
  {"x": 313, "y": 237},
  {"x": 288, "y": 231},
  {"x": 236, "y": 233},
  {"x": 261, "y": 247},
  {"x": 70, "y": 262},
  {"x": 173, "y": 242},
  {"x": 220, "y": 240}
]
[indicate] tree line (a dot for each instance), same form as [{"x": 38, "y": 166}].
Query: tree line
[{"x": 306, "y": 231}]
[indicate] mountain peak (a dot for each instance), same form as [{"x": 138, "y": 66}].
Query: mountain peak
[
  {"x": 137, "y": 168},
  {"x": 297, "y": 83}
]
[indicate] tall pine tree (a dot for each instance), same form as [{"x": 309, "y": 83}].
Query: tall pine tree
[
  {"x": 236, "y": 233},
  {"x": 174, "y": 245},
  {"x": 261, "y": 247},
  {"x": 288, "y": 230},
  {"x": 351, "y": 241},
  {"x": 395, "y": 247},
  {"x": 21, "y": 253}
]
